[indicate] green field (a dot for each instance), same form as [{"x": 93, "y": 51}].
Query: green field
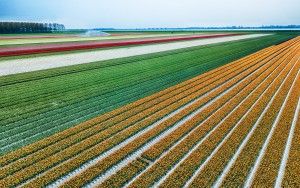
[{"x": 36, "y": 105}]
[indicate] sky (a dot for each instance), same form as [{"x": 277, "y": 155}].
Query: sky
[{"x": 152, "y": 13}]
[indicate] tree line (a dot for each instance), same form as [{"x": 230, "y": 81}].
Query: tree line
[{"x": 29, "y": 27}]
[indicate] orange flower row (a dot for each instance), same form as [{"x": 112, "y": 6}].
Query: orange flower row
[
  {"x": 292, "y": 171},
  {"x": 124, "y": 175},
  {"x": 269, "y": 166},
  {"x": 165, "y": 163},
  {"x": 103, "y": 165},
  {"x": 239, "y": 171},
  {"x": 157, "y": 149},
  {"x": 217, "y": 163}
]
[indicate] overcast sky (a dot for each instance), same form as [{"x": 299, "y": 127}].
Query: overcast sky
[{"x": 153, "y": 13}]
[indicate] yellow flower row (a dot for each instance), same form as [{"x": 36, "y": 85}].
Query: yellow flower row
[
  {"x": 269, "y": 166},
  {"x": 215, "y": 166},
  {"x": 157, "y": 149},
  {"x": 188, "y": 167},
  {"x": 239, "y": 171},
  {"x": 165, "y": 163},
  {"x": 124, "y": 175},
  {"x": 103, "y": 165},
  {"x": 292, "y": 171},
  {"x": 150, "y": 172},
  {"x": 126, "y": 169}
]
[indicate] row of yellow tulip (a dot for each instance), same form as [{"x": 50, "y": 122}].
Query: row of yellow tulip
[
  {"x": 128, "y": 169},
  {"x": 292, "y": 171},
  {"x": 165, "y": 163},
  {"x": 240, "y": 169},
  {"x": 122, "y": 170},
  {"x": 215, "y": 166},
  {"x": 205, "y": 149},
  {"x": 157, "y": 149},
  {"x": 268, "y": 169},
  {"x": 123, "y": 176}
]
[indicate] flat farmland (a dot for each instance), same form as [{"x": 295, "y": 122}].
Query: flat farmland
[
  {"x": 25, "y": 50},
  {"x": 122, "y": 49},
  {"x": 219, "y": 115},
  {"x": 25, "y": 40}
]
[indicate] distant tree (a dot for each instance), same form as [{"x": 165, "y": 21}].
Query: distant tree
[{"x": 29, "y": 27}]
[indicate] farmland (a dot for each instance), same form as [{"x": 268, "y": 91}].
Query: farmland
[
  {"x": 26, "y": 40},
  {"x": 225, "y": 114},
  {"x": 25, "y": 50},
  {"x": 42, "y": 61}
]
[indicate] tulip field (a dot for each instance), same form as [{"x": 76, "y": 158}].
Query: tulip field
[
  {"x": 220, "y": 115},
  {"x": 48, "y": 48}
]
